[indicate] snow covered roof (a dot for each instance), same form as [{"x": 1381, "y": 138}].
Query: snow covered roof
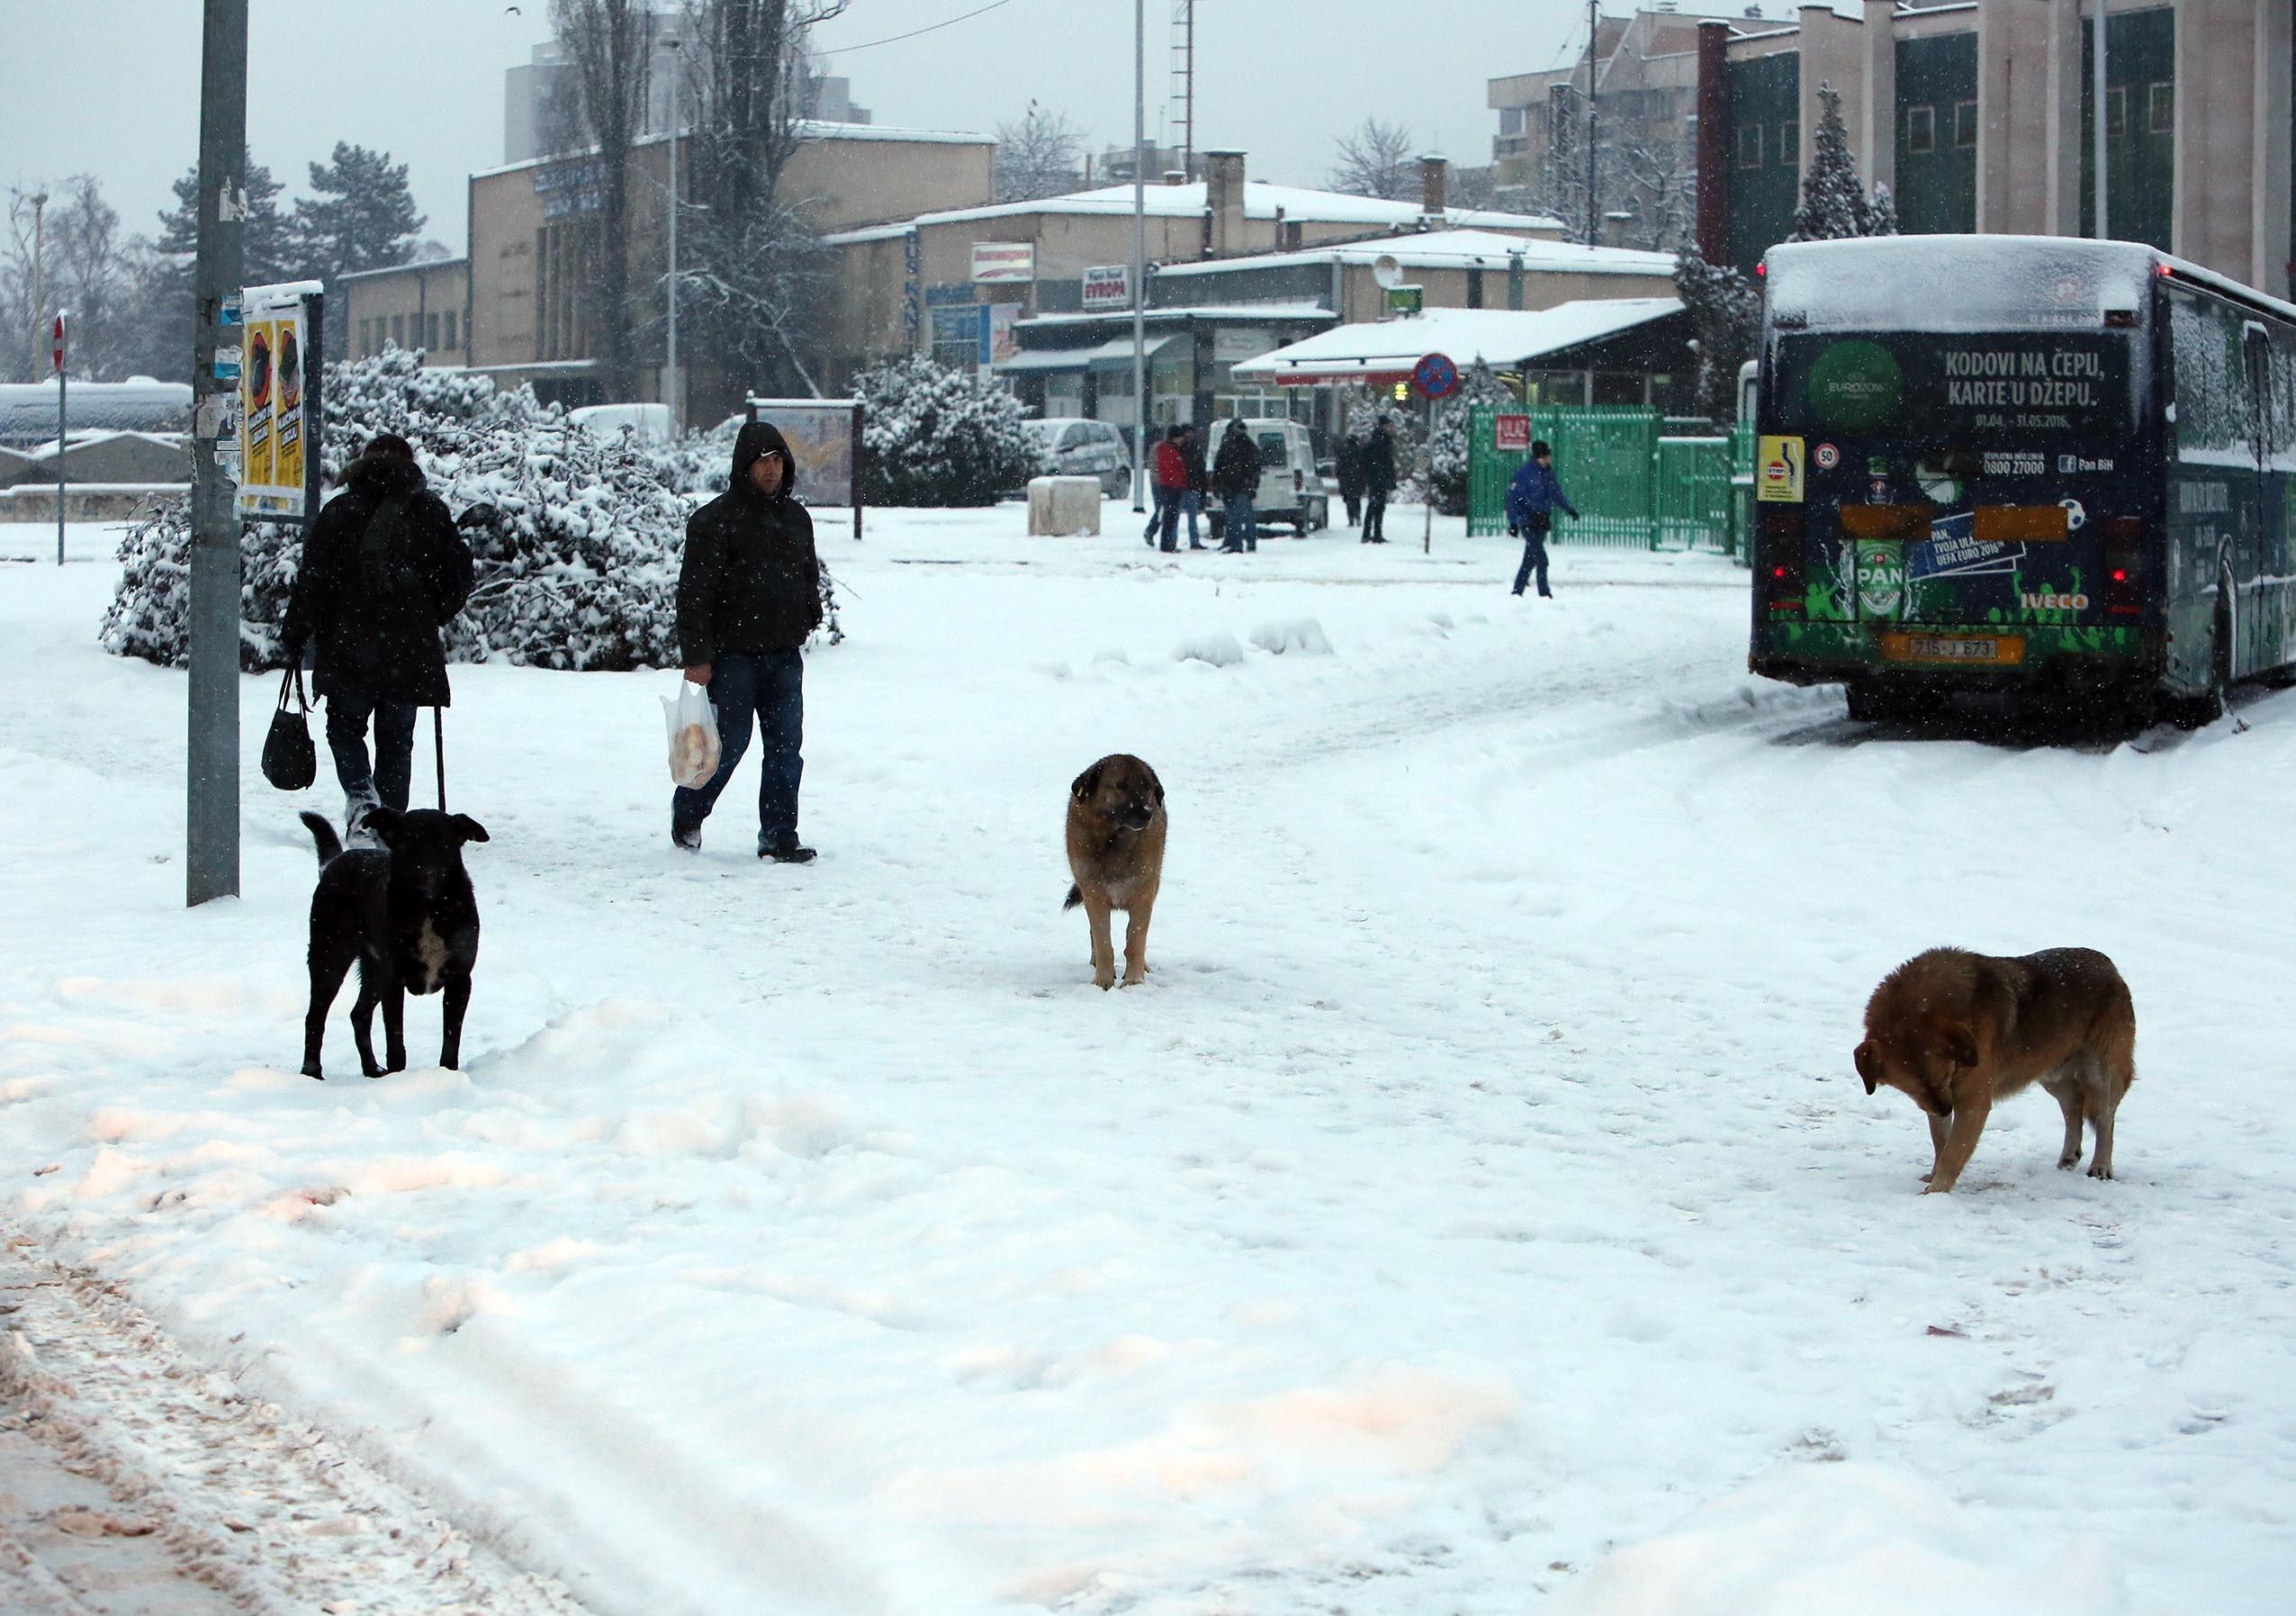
[
  {"x": 1250, "y": 313},
  {"x": 1998, "y": 283},
  {"x": 1452, "y": 250},
  {"x": 88, "y": 438},
  {"x": 1262, "y": 200},
  {"x": 1494, "y": 335},
  {"x": 1078, "y": 358},
  {"x": 28, "y": 409}
]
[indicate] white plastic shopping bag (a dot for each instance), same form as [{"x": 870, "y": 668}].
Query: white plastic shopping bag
[{"x": 693, "y": 735}]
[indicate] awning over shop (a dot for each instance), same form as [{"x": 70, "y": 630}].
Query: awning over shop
[
  {"x": 1115, "y": 352},
  {"x": 1386, "y": 351}
]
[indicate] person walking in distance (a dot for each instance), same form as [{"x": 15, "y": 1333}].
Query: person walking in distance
[
  {"x": 1191, "y": 449},
  {"x": 1171, "y": 483},
  {"x": 1236, "y": 479},
  {"x": 1347, "y": 463},
  {"x": 383, "y": 572},
  {"x": 749, "y": 593},
  {"x": 1531, "y": 499},
  {"x": 1379, "y": 482}
]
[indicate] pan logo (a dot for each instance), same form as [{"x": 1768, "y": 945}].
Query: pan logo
[{"x": 1881, "y": 580}]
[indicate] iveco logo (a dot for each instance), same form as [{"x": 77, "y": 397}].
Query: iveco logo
[{"x": 2054, "y": 602}]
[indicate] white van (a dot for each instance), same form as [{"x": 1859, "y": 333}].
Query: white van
[
  {"x": 1073, "y": 447},
  {"x": 1290, "y": 486}
]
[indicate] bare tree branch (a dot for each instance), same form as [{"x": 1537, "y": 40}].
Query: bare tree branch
[
  {"x": 1376, "y": 159},
  {"x": 1039, "y": 154}
]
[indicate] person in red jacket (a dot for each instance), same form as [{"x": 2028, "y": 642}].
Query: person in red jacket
[{"x": 1171, "y": 481}]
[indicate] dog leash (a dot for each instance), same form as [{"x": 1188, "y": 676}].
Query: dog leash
[{"x": 438, "y": 741}]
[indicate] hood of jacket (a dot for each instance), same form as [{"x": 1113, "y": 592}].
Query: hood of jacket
[
  {"x": 379, "y": 476},
  {"x": 755, "y": 439}
]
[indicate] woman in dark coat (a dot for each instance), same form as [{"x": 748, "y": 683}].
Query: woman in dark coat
[
  {"x": 383, "y": 570},
  {"x": 1347, "y": 461}
]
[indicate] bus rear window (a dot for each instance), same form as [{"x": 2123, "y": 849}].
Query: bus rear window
[{"x": 1971, "y": 385}]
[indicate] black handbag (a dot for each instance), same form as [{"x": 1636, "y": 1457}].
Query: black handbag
[{"x": 290, "y": 761}]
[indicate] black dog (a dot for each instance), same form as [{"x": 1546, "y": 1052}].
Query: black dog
[{"x": 406, "y": 913}]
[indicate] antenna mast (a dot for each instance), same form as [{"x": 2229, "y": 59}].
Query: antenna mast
[{"x": 1180, "y": 104}]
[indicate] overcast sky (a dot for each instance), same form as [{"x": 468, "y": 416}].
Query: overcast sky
[{"x": 111, "y": 87}]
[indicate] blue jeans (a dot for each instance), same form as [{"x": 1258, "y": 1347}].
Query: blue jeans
[
  {"x": 394, "y": 749},
  {"x": 1191, "y": 503},
  {"x": 1535, "y": 556},
  {"x": 1243, "y": 529},
  {"x": 771, "y": 688}
]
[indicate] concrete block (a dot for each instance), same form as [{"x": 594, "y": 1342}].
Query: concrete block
[{"x": 1063, "y": 507}]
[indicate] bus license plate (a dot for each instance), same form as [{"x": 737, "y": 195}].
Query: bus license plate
[{"x": 1986, "y": 651}]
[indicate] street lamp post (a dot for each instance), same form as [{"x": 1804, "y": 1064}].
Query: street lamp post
[
  {"x": 670, "y": 378},
  {"x": 1139, "y": 255},
  {"x": 38, "y": 264}
]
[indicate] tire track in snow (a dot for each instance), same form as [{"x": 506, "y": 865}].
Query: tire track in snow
[{"x": 140, "y": 1481}]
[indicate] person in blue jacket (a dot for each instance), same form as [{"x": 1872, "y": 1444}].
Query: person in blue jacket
[{"x": 1531, "y": 499}]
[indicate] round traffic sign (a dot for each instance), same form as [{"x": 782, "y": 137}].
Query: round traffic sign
[{"x": 1435, "y": 377}]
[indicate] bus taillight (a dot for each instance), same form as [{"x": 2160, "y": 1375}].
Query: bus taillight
[
  {"x": 2124, "y": 538},
  {"x": 1781, "y": 560}
]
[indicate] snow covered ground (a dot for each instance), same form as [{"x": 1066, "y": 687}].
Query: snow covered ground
[{"x": 1476, "y": 1210}]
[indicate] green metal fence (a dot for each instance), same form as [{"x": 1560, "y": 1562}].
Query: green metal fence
[{"x": 1633, "y": 487}]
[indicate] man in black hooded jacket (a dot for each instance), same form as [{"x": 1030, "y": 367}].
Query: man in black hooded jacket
[
  {"x": 383, "y": 570},
  {"x": 749, "y": 593}
]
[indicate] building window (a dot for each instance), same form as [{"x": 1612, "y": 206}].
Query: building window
[
  {"x": 430, "y": 332},
  {"x": 367, "y": 337},
  {"x": 2161, "y": 119},
  {"x": 1511, "y": 120},
  {"x": 1790, "y": 143},
  {"x": 1964, "y": 124},
  {"x": 1750, "y": 146},
  {"x": 398, "y": 330},
  {"x": 2116, "y": 112},
  {"x": 450, "y": 328},
  {"x": 1921, "y": 128}
]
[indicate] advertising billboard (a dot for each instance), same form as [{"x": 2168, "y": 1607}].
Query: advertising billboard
[
  {"x": 1108, "y": 289},
  {"x": 997, "y": 263},
  {"x": 279, "y": 418}
]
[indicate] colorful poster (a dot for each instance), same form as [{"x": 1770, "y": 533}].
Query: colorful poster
[
  {"x": 255, "y": 405},
  {"x": 276, "y": 399}
]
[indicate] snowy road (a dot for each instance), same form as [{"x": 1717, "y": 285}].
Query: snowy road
[{"x": 1478, "y": 1184}]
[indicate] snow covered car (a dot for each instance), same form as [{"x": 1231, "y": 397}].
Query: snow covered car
[
  {"x": 647, "y": 423},
  {"x": 1292, "y": 488},
  {"x": 1073, "y": 447}
]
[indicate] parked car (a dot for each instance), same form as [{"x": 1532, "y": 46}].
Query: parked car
[
  {"x": 647, "y": 423},
  {"x": 1292, "y": 486},
  {"x": 1073, "y": 447}
]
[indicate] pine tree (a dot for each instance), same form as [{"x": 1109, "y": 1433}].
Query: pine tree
[
  {"x": 1834, "y": 205},
  {"x": 360, "y": 216},
  {"x": 1725, "y": 319},
  {"x": 159, "y": 340}
]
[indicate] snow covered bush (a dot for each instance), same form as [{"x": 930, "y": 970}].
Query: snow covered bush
[
  {"x": 935, "y": 436},
  {"x": 1834, "y": 204},
  {"x": 1725, "y": 314},
  {"x": 699, "y": 463},
  {"x": 579, "y": 570},
  {"x": 1447, "y": 445}
]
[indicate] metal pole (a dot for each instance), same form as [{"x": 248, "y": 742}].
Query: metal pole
[
  {"x": 1594, "y": 35},
  {"x": 63, "y": 434},
  {"x": 38, "y": 264},
  {"x": 212, "y": 798},
  {"x": 2096, "y": 111},
  {"x": 1139, "y": 255},
  {"x": 670, "y": 380}
]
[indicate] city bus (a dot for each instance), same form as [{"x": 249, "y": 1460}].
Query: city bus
[{"x": 2053, "y": 471}]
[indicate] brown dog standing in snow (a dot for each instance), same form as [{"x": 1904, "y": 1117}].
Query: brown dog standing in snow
[
  {"x": 1116, "y": 825},
  {"x": 1957, "y": 1031}
]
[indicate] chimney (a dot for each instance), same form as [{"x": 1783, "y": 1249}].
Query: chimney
[
  {"x": 1434, "y": 172},
  {"x": 1224, "y": 200},
  {"x": 1175, "y": 176},
  {"x": 1614, "y": 228}
]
